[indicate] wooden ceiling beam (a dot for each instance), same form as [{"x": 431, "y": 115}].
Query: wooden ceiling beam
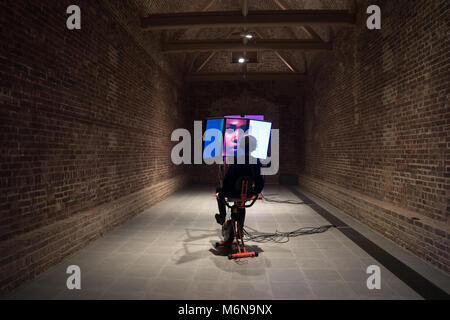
[
  {"x": 310, "y": 31},
  {"x": 211, "y": 54},
  {"x": 180, "y": 33},
  {"x": 228, "y": 19},
  {"x": 251, "y": 76},
  {"x": 286, "y": 63},
  {"x": 237, "y": 45}
]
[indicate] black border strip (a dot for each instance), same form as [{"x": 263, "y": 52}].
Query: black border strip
[{"x": 414, "y": 280}]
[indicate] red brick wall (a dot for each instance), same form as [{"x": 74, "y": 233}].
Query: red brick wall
[
  {"x": 85, "y": 122},
  {"x": 377, "y": 123},
  {"x": 277, "y": 100}
]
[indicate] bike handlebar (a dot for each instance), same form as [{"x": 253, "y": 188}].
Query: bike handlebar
[{"x": 253, "y": 199}]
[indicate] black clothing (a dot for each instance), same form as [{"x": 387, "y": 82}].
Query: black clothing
[{"x": 231, "y": 185}]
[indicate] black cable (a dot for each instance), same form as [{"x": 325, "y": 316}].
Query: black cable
[
  {"x": 281, "y": 237},
  {"x": 278, "y": 236},
  {"x": 281, "y": 201}
]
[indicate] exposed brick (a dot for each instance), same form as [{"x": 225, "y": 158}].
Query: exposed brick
[
  {"x": 376, "y": 123},
  {"x": 85, "y": 128}
]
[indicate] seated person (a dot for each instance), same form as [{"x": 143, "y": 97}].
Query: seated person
[{"x": 244, "y": 165}]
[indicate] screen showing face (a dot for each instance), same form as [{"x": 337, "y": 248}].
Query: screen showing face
[
  {"x": 261, "y": 131},
  {"x": 234, "y": 131},
  {"x": 213, "y": 138}
]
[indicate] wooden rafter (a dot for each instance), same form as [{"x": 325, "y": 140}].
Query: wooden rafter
[
  {"x": 310, "y": 31},
  {"x": 225, "y": 19},
  {"x": 211, "y": 55},
  {"x": 236, "y": 76},
  {"x": 180, "y": 33},
  {"x": 237, "y": 45},
  {"x": 286, "y": 63}
]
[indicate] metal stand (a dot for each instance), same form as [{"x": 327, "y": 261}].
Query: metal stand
[{"x": 237, "y": 221}]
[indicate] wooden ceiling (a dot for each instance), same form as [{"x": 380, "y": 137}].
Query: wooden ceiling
[{"x": 285, "y": 33}]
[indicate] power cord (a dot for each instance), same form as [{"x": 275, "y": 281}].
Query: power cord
[
  {"x": 281, "y": 237},
  {"x": 278, "y": 236},
  {"x": 281, "y": 201}
]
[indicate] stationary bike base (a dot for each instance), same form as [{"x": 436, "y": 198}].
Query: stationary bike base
[
  {"x": 241, "y": 254},
  {"x": 232, "y": 234},
  {"x": 235, "y": 234}
]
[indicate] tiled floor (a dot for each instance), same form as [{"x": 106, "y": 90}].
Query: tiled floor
[{"x": 167, "y": 252}]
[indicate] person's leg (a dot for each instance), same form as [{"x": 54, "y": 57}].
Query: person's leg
[{"x": 220, "y": 218}]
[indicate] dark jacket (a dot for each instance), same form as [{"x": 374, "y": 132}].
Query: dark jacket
[{"x": 231, "y": 186}]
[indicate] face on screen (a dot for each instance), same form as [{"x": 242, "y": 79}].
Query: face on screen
[{"x": 235, "y": 129}]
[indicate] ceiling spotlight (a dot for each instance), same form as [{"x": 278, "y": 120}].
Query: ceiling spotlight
[
  {"x": 241, "y": 60},
  {"x": 245, "y": 34}
]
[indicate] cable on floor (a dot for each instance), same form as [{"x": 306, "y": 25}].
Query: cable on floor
[
  {"x": 281, "y": 237},
  {"x": 281, "y": 201}
]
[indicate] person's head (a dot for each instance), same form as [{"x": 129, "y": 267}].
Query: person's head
[
  {"x": 235, "y": 129},
  {"x": 247, "y": 145}
]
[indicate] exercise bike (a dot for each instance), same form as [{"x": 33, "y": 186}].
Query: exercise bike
[{"x": 232, "y": 229}]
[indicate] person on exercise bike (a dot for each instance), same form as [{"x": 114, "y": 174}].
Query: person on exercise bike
[{"x": 243, "y": 165}]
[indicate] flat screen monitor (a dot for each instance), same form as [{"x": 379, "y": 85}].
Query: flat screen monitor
[
  {"x": 231, "y": 130},
  {"x": 261, "y": 131},
  {"x": 235, "y": 129},
  {"x": 213, "y": 138}
]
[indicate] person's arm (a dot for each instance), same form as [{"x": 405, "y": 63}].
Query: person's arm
[
  {"x": 220, "y": 175},
  {"x": 259, "y": 180}
]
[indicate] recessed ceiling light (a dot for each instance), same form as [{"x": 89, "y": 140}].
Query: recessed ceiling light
[{"x": 241, "y": 60}]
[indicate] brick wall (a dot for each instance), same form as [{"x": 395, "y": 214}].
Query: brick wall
[
  {"x": 377, "y": 126},
  {"x": 277, "y": 100},
  {"x": 85, "y": 124}
]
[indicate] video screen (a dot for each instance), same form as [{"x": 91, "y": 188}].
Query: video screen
[
  {"x": 232, "y": 130},
  {"x": 235, "y": 129},
  {"x": 213, "y": 138},
  {"x": 261, "y": 131}
]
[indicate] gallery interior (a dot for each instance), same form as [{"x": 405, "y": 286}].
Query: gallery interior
[{"x": 105, "y": 188}]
